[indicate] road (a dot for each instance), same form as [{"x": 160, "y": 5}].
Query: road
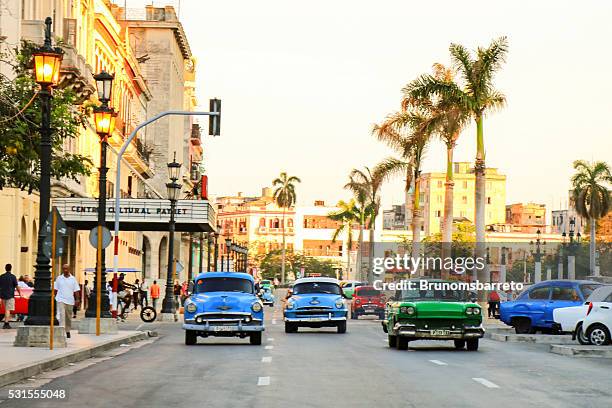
[{"x": 319, "y": 368}]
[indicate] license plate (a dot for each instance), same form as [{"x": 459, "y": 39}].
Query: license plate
[
  {"x": 439, "y": 332},
  {"x": 315, "y": 319},
  {"x": 223, "y": 328}
]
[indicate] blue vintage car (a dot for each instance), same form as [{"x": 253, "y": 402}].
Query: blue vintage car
[
  {"x": 533, "y": 309},
  {"x": 266, "y": 296},
  {"x": 315, "y": 302},
  {"x": 223, "y": 304}
]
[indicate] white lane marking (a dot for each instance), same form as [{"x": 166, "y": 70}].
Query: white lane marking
[
  {"x": 438, "y": 362},
  {"x": 269, "y": 347},
  {"x": 486, "y": 382},
  {"x": 266, "y": 359},
  {"x": 270, "y": 338},
  {"x": 273, "y": 321},
  {"x": 263, "y": 381}
]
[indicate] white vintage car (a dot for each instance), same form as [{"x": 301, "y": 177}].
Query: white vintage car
[
  {"x": 596, "y": 327},
  {"x": 567, "y": 318}
]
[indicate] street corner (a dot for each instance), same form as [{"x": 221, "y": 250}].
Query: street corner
[{"x": 576, "y": 350}]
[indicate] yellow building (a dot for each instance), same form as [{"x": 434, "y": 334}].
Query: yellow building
[{"x": 432, "y": 197}]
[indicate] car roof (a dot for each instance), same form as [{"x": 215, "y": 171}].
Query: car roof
[
  {"x": 235, "y": 275},
  {"x": 319, "y": 279},
  {"x": 565, "y": 282},
  {"x": 360, "y": 288}
]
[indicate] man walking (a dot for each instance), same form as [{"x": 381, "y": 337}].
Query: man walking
[
  {"x": 67, "y": 295},
  {"x": 144, "y": 289},
  {"x": 155, "y": 291},
  {"x": 8, "y": 284}
]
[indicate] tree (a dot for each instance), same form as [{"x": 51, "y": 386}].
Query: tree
[
  {"x": 285, "y": 197},
  {"x": 366, "y": 185},
  {"x": 20, "y": 118},
  {"x": 477, "y": 95},
  {"x": 349, "y": 213},
  {"x": 591, "y": 197}
]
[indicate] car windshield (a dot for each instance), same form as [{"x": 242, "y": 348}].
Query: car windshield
[
  {"x": 224, "y": 285},
  {"x": 368, "y": 292},
  {"x": 588, "y": 288},
  {"x": 599, "y": 294},
  {"x": 316, "y": 287},
  {"x": 438, "y": 295}
]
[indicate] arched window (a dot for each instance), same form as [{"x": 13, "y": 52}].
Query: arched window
[
  {"x": 290, "y": 223},
  {"x": 276, "y": 223},
  {"x": 262, "y": 222}
]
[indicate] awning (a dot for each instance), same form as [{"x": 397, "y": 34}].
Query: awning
[{"x": 111, "y": 270}]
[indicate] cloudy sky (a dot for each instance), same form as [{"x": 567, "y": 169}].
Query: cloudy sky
[{"x": 302, "y": 83}]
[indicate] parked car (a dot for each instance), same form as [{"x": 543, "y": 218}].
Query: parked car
[
  {"x": 566, "y": 318},
  {"x": 533, "y": 309},
  {"x": 367, "y": 301},
  {"x": 348, "y": 288},
  {"x": 266, "y": 296},
  {"x": 223, "y": 304},
  {"x": 21, "y": 303},
  {"x": 415, "y": 314},
  {"x": 596, "y": 326},
  {"x": 315, "y": 302},
  {"x": 266, "y": 283}
]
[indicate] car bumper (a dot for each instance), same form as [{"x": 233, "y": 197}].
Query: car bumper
[
  {"x": 467, "y": 332},
  {"x": 211, "y": 328},
  {"x": 373, "y": 311}
]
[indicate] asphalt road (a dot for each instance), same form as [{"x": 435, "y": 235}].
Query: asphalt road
[{"x": 319, "y": 368}]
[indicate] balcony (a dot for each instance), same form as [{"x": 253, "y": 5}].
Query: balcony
[
  {"x": 262, "y": 230},
  {"x": 277, "y": 231}
]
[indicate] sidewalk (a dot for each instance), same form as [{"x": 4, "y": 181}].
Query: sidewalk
[{"x": 18, "y": 363}]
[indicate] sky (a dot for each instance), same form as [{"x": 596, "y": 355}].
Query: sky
[{"x": 302, "y": 83}]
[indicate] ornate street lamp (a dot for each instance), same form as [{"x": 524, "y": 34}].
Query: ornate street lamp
[
  {"x": 173, "y": 189},
  {"x": 104, "y": 85},
  {"x": 47, "y": 62}
]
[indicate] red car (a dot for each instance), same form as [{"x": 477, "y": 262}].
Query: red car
[
  {"x": 367, "y": 301},
  {"x": 21, "y": 303}
]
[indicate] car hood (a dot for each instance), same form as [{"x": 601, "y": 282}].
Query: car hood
[
  {"x": 223, "y": 301},
  {"x": 442, "y": 309},
  {"x": 315, "y": 299}
]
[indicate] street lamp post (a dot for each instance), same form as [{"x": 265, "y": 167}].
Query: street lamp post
[
  {"x": 571, "y": 256},
  {"x": 47, "y": 61},
  {"x": 216, "y": 236},
  {"x": 173, "y": 188},
  {"x": 561, "y": 254},
  {"x": 228, "y": 245},
  {"x": 104, "y": 118},
  {"x": 537, "y": 255},
  {"x": 209, "y": 238}
]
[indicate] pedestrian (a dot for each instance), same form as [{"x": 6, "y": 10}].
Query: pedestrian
[
  {"x": 184, "y": 292},
  {"x": 155, "y": 291},
  {"x": 8, "y": 284},
  {"x": 144, "y": 291},
  {"x": 86, "y": 294},
  {"x": 176, "y": 292},
  {"x": 28, "y": 280},
  {"x": 493, "y": 300},
  {"x": 22, "y": 283},
  {"x": 136, "y": 294},
  {"x": 67, "y": 295}
]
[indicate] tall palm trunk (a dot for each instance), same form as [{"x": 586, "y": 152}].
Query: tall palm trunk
[
  {"x": 480, "y": 203},
  {"x": 407, "y": 199},
  {"x": 416, "y": 217},
  {"x": 371, "y": 253},
  {"x": 592, "y": 248},
  {"x": 359, "y": 274},
  {"x": 283, "y": 251},
  {"x": 447, "y": 227}
]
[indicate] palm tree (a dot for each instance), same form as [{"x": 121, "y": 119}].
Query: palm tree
[
  {"x": 285, "y": 197},
  {"x": 366, "y": 185},
  {"x": 407, "y": 132},
  {"x": 347, "y": 215},
  {"x": 591, "y": 197},
  {"x": 477, "y": 95}
]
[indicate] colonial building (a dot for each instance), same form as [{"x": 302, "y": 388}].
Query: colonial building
[{"x": 528, "y": 217}]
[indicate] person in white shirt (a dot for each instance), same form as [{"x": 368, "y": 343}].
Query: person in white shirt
[{"x": 67, "y": 295}]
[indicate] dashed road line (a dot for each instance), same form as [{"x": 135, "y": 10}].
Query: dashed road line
[
  {"x": 263, "y": 381},
  {"x": 270, "y": 338},
  {"x": 269, "y": 347},
  {"x": 438, "y": 362},
  {"x": 273, "y": 321},
  {"x": 486, "y": 382},
  {"x": 267, "y": 359}
]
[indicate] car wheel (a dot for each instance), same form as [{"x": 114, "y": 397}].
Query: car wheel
[
  {"x": 472, "y": 344},
  {"x": 392, "y": 341},
  {"x": 290, "y": 327},
  {"x": 342, "y": 327},
  {"x": 402, "y": 343},
  {"x": 148, "y": 314},
  {"x": 598, "y": 335},
  {"x": 582, "y": 338},
  {"x": 255, "y": 338},
  {"x": 522, "y": 325},
  {"x": 191, "y": 337},
  {"x": 459, "y": 344}
]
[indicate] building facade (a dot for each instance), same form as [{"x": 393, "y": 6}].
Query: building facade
[{"x": 528, "y": 217}]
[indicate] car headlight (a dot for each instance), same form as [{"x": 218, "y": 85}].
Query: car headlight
[
  {"x": 256, "y": 307},
  {"x": 289, "y": 305},
  {"x": 476, "y": 311},
  {"x": 469, "y": 310},
  {"x": 339, "y": 304},
  {"x": 409, "y": 310},
  {"x": 191, "y": 307}
]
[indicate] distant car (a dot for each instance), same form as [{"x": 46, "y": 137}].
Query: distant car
[
  {"x": 367, "y": 301},
  {"x": 349, "y": 288},
  {"x": 446, "y": 314},
  {"x": 315, "y": 302},
  {"x": 597, "y": 325},
  {"x": 21, "y": 303},
  {"x": 266, "y": 283},
  {"x": 566, "y": 318},
  {"x": 533, "y": 309},
  {"x": 266, "y": 296},
  {"x": 223, "y": 304}
]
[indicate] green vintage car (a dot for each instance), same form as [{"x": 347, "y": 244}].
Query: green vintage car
[{"x": 418, "y": 313}]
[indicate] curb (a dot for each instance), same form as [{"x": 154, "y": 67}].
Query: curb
[
  {"x": 582, "y": 351},
  {"x": 533, "y": 338},
  {"x": 53, "y": 363}
]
